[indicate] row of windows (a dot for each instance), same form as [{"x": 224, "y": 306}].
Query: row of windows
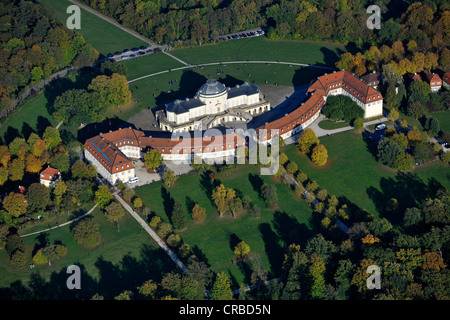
[{"x": 200, "y": 148}]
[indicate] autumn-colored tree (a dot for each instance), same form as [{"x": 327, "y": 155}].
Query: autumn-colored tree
[
  {"x": 319, "y": 155},
  {"x": 359, "y": 278},
  {"x": 51, "y": 137},
  {"x": 5, "y": 156},
  {"x": 370, "y": 239},
  {"x": 15, "y": 204},
  {"x": 198, "y": 214},
  {"x": 113, "y": 90},
  {"x": 3, "y": 175},
  {"x": 222, "y": 197},
  {"x": 317, "y": 270},
  {"x": 433, "y": 261},
  {"x": 103, "y": 196},
  {"x": 221, "y": 289},
  {"x": 307, "y": 140},
  {"x": 242, "y": 250},
  {"x": 59, "y": 190},
  {"x": 33, "y": 164},
  {"x": 169, "y": 178},
  {"x": 394, "y": 114},
  {"x": 16, "y": 169},
  {"x": 38, "y": 147},
  {"x": 153, "y": 159},
  {"x": 415, "y": 137}
]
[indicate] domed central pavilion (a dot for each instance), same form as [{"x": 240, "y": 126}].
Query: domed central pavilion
[{"x": 212, "y": 105}]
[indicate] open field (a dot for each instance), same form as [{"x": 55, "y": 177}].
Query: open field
[
  {"x": 354, "y": 175},
  {"x": 123, "y": 260},
  {"x": 102, "y": 35},
  {"x": 444, "y": 120},
  {"x": 215, "y": 239},
  {"x": 260, "y": 48},
  {"x": 33, "y": 115}
]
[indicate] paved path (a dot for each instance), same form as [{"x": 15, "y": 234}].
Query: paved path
[
  {"x": 224, "y": 63},
  {"x": 323, "y": 132},
  {"x": 61, "y": 225},
  {"x": 178, "y": 59},
  {"x": 152, "y": 233}
]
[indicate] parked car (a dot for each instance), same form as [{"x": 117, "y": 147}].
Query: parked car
[
  {"x": 143, "y": 48},
  {"x": 133, "y": 56},
  {"x": 133, "y": 180},
  {"x": 125, "y": 57},
  {"x": 380, "y": 127},
  {"x": 149, "y": 51}
]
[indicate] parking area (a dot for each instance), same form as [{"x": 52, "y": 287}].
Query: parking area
[
  {"x": 243, "y": 34},
  {"x": 145, "y": 177}
]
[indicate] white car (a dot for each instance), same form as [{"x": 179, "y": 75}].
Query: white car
[
  {"x": 133, "y": 180},
  {"x": 380, "y": 127}
]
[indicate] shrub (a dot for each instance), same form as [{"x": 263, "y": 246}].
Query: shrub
[
  {"x": 198, "y": 214},
  {"x": 319, "y": 155},
  {"x": 18, "y": 259},
  {"x": 174, "y": 240},
  {"x": 155, "y": 222},
  {"x": 164, "y": 229},
  {"x": 39, "y": 258},
  {"x": 292, "y": 167},
  {"x": 86, "y": 232}
]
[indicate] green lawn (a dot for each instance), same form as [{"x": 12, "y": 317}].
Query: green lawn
[
  {"x": 444, "y": 120},
  {"x": 353, "y": 174},
  {"x": 260, "y": 48},
  {"x": 33, "y": 113},
  {"x": 102, "y": 35},
  {"x": 27, "y": 115},
  {"x": 215, "y": 239},
  {"x": 123, "y": 260},
  {"x": 330, "y": 125}
]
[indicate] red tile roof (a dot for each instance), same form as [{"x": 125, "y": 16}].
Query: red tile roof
[
  {"x": 50, "y": 174},
  {"x": 105, "y": 147},
  {"x": 446, "y": 77},
  {"x": 434, "y": 80}
]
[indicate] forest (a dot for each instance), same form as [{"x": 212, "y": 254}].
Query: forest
[{"x": 33, "y": 47}]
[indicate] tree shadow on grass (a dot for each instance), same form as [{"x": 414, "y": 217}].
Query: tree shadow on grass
[
  {"x": 256, "y": 182},
  {"x": 273, "y": 250},
  {"x": 10, "y": 134},
  {"x": 407, "y": 188},
  {"x": 200, "y": 255},
  {"x": 289, "y": 230},
  {"x": 42, "y": 124},
  {"x": 168, "y": 202},
  {"x": 114, "y": 278},
  {"x": 27, "y": 130},
  {"x": 190, "y": 204}
]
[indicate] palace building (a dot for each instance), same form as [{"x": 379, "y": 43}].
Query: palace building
[
  {"x": 213, "y": 104},
  {"x": 111, "y": 152}
]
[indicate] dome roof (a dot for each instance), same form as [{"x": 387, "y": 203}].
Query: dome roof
[{"x": 212, "y": 87}]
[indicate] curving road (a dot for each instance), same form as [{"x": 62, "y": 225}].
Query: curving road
[{"x": 228, "y": 62}]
